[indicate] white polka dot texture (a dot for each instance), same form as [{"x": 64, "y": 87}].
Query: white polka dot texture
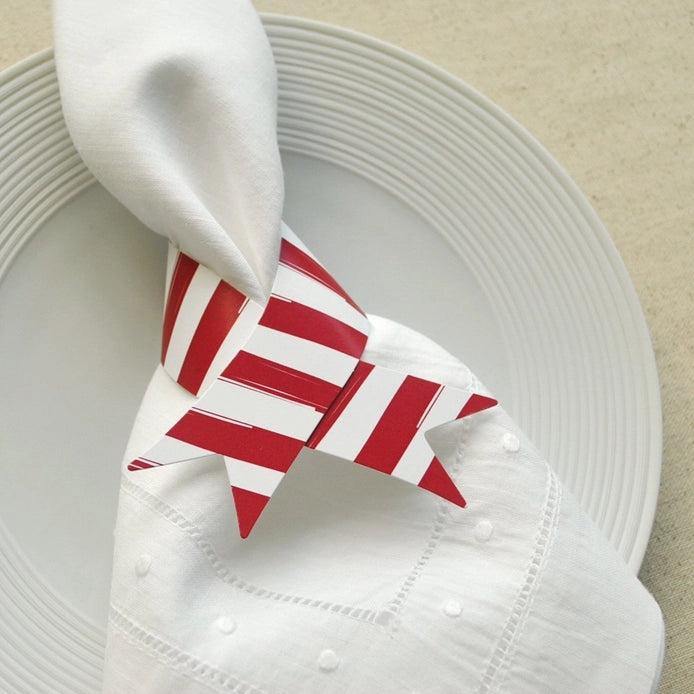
[
  {"x": 452, "y": 608},
  {"x": 484, "y": 531},
  {"x": 143, "y": 564},
  {"x": 510, "y": 442},
  {"x": 226, "y": 625},
  {"x": 328, "y": 661}
]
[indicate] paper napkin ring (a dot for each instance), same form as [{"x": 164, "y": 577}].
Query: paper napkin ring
[{"x": 274, "y": 379}]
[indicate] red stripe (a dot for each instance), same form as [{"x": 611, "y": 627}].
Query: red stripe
[
  {"x": 217, "y": 320},
  {"x": 141, "y": 464},
  {"x": 359, "y": 375},
  {"x": 398, "y": 425},
  {"x": 302, "y": 321},
  {"x": 476, "y": 403},
  {"x": 180, "y": 281},
  {"x": 298, "y": 260},
  {"x": 279, "y": 380},
  {"x": 235, "y": 440},
  {"x": 438, "y": 481}
]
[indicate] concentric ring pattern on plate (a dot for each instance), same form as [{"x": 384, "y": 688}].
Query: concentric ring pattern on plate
[
  {"x": 582, "y": 375},
  {"x": 47, "y": 645}
]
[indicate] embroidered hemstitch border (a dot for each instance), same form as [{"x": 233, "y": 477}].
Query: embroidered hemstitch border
[
  {"x": 506, "y": 645},
  {"x": 382, "y": 618}
]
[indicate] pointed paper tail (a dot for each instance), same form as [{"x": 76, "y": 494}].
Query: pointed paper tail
[
  {"x": 251, "y": 486},
  {"x": 438, "y": 481},
  {"x": 476, "y": 403},
  {"x": 380, "y": 419},
  {"x": 249, "y": 506}
]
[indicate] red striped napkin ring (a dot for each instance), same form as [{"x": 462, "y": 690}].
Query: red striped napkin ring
[{"x": 277, "y": 378}]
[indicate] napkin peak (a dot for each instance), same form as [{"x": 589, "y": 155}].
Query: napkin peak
[{"x": 180, "y": 126}]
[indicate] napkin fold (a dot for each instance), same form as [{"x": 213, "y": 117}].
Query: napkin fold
[
  {"x": 351, "y": 581},
  {"x": 172, "y": 106}
]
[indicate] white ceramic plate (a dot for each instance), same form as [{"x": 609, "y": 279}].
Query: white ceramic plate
[{"x": 426, "y": 201}]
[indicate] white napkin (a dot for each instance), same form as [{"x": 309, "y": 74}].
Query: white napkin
[
  {"x": 350, "y": 581},
  {"x": 172, "y": 105}
]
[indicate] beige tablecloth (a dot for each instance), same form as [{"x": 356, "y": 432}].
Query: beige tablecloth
[{"x": 607, "y": 87}]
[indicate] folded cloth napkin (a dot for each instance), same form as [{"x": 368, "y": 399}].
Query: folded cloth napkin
[{"x": 350, "y": 581}]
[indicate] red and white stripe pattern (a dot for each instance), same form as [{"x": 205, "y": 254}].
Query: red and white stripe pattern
[
  {"x": 289, "y": 375},
  {"x": 380, "y": 419},
  {"x": 206, "y": 322}
]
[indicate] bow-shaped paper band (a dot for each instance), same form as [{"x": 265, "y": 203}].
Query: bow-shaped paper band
[{"x": 277, "y": 378}]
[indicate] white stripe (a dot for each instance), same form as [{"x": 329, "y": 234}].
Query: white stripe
[
  {"x": 253, "y": 478},
  {"x": 357, "y": 421},
  {"x": 418, "y": 455},
  {"x": 296, "y": 286},
  {"x": 302, "y": 355},
  {"x": 446, "y": 408},
  {"x": 170, "y": 450},
  {"x": 233, "y": 342},
  {"x": 259, "y": 409},
  {"x": 195, "y": 301},
  {"x": 171, "y": 259}
]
